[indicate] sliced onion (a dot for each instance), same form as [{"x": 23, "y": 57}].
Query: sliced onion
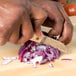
[{"x": 32, "y": 51}]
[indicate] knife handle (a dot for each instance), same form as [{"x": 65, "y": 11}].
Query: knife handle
[{"x": 38, "y": 39}]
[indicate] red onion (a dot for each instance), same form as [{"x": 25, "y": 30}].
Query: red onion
[
  {"x": 67, "y": 59},
  {"x": 33, "y": 52}
]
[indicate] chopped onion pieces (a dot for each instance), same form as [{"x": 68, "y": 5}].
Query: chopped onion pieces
[{"x": 37, "y": 53}]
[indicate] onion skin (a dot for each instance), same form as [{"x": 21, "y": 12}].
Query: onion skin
[{"x": 70, "y": 9}]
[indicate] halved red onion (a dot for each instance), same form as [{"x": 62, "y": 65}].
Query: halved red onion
[{"x": 37, "y": 53}]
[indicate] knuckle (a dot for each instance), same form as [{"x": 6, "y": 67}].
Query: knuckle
[
  {"x": 43, "y": 15},
  {"x": 43, "y": 18},
  {"x": 40, "y": 19}
]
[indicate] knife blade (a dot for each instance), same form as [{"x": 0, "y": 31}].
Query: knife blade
[{"x": 49, "y": 41}]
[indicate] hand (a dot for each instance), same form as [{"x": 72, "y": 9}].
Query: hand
[
  {"x": 15, "y": 23},
  {"x": 57, "y": 20}
]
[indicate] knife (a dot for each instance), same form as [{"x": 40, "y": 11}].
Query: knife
[{"x": 50, "y": 41}]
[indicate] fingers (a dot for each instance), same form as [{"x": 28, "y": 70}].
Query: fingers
[
  {"x": 38, "y": 17},
  {"x": 3, "y": 41},
  {"x": 14, "y": 37},
  {"x": 67, "y": 33},
  {"x": 59, "y": 20},
  {"x": 27, "y": 31},
  {"x": 15, "y": 30},
  {"x": 4, "y": 35},
  {"x": 57, "y": 28},
  {"x": 49, "y": 23}
]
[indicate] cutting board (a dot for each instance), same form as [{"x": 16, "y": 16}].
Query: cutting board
[{"x": 60, "y": 67}]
